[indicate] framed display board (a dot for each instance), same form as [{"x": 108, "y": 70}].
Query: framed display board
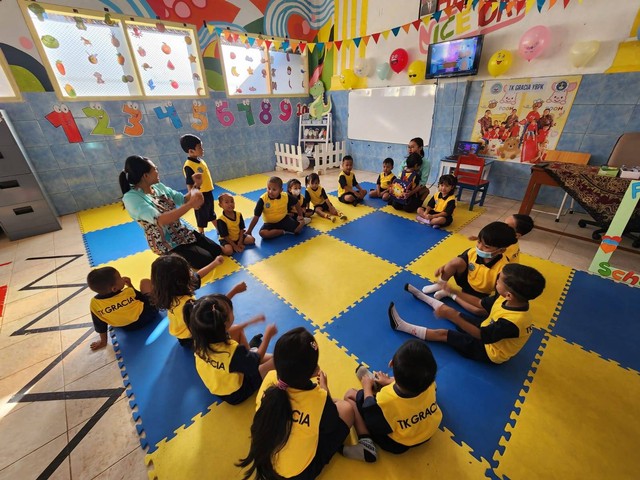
[{"x": 9, "y": 91}]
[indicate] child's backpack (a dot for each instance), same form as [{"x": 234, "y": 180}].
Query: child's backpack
[{"x": 400, "y": 185}]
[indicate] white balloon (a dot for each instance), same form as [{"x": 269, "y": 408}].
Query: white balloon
[
  {"x": 582, "y": 53},
  {"x": 361, "y": 67}
]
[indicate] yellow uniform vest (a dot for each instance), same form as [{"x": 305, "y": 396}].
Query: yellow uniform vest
[
  {"x": 413, "y": 420},
  {"x": 512, "y": 253},
  {"x": 385, "y": 180},
  {"x": 214, "y": 370},
  {"x": 480, "y": 277},
  {"x": 441, "y": 202},
  {"x": 177, "y": 326},
  {"x": 349, "y": 187},
  {"x": 201, "y": 167},
  {"x": 120, "y": 310},
  {"x": 233, "y": 226},
  {"x": 301, "y": 447},
  {"x": 300, "y": 203},
  {"x": 503, "y": 350},
  {"x": 275, "y": 209},
  {"x": 316, "y": 196}
]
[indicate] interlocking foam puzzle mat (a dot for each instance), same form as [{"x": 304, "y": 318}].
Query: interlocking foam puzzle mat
[{"x": 565, "y": 407}]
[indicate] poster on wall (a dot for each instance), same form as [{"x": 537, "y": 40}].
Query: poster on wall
[
  {"x": 520, "y": 119},
  {"x": 428, "y": 7}
]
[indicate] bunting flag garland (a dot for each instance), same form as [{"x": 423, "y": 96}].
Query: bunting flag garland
[{"x": 452, "y": 8}]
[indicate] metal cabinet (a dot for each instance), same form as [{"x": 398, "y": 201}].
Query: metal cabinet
[{"x": 25, "y": 209}]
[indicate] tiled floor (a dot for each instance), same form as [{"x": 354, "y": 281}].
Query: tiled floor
[{"x": 63, "y": 413}]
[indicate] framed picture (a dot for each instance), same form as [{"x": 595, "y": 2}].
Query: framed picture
[{"x": 428, "y": 7}]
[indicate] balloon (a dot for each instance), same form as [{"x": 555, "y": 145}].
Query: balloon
[
  {"x": 533, "y": 42},
  {"x": 416, "y": 71},
  {"x": 361, "y": 67},
  {"x": 500, "y": 62},
  {"x": 347, "y": 78},
  {"x": 582, "y": 53},
  {"x": 398, "y": 59},
  {"x": 382, "y": 70}
]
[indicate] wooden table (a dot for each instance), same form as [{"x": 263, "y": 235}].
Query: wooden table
[{"x": 538, "y": 178}]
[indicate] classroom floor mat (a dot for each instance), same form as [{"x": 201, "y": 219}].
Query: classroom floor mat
[
  {"x": 245, "y": 184},
  {"x": 102, "y": 217},
  {"x": 564, "y": 407},
  {"x": 461, "y": 217}
]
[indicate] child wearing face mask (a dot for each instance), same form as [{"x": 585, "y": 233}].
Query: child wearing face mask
[
  {"x": 476, "y": 269},
  {"x": 294, "y": 189}
]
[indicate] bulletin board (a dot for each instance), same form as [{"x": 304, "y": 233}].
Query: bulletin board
[{"x": 391, "y": 114}]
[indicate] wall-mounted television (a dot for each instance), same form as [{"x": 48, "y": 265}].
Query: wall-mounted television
[{"x": 455, "y": 58}]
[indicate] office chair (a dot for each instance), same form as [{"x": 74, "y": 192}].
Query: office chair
[
  {"x": 625, "y": 152},
  {"x": 469, "y": 174}
]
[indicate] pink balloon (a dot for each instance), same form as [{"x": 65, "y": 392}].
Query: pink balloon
[
  {"x": 534, "y": 41},
  {"x": 398, "y": 59}
]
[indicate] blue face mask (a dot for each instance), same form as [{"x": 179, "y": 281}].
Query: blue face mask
[{"x": 483, "y": 254}]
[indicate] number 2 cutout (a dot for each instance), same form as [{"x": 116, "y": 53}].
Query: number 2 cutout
[
  {"x": 62, "y": 117},
  {"x": 95, "y": 110}
]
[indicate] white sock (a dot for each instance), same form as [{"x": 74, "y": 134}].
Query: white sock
[
  {"x": 431, "y": 288},
  {"x": 432, "y": 302},
  {"x": 440, "y": 294},
  {"x": 398, "y": 324}
]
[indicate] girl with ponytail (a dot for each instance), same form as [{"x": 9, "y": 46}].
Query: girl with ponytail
[
  {"x": 225, "y": 365},
  {"x": 298, "y": 427}
]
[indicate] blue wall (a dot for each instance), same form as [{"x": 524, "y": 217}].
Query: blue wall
[
  {"x": 78, "y": 176},
  {"x": 605, "y": 107}
]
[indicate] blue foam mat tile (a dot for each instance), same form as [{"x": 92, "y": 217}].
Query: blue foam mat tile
[
  {"x": 401, "y": 241},
  {"x": 372, "y": 202},
  {"x": 266, "y": 248},
  {"x": 115, "y": 242},
  {"x": 476, "y": 398},
  {"x": 256, "y": 194},
  {"x": 592, "y": 300},
  {"x": 258, "y": 299}
]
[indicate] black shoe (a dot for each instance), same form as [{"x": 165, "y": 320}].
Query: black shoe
[
  {"x": 406, "y": 287},
  {"x": 256, "y": 341},
  {"x": 392, "y": 321}
]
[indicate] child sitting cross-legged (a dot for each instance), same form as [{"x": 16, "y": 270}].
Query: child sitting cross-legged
[
  {"x": 404, "y": 413},
  {"x": 507, "y": 323},
  {"x": 230, "y": 226},
  {"x": 384, "y": 181},
  {"x": 317, "y": 197},
  {"x": 439, "y": 210}
]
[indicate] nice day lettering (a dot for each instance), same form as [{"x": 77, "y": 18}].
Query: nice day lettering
[
  {"x": 116, "y": 306},
  {"x": 418, "y": 417}
]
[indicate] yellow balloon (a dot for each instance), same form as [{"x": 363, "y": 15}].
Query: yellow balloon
[
  {"x": 500, "y": 62},
  {"x": 347, "y": 78},
  {"x": 416, "y": 71}
]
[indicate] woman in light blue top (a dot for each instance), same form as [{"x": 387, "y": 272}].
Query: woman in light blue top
[{"x": 158, "y": 208}]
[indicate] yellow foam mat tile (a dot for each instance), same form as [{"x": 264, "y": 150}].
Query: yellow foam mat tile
[
  {"x": 327, "y": 276},
  {"x": 463, "y": 216},
  {"x": 245, "y": 184},
  {"x": 450, "y": 247},
  {"x": 545, "y": 306},
  {"x": 352, "y": 213},
  {"x": 102, "y": 217},
  {"x": 190, "y": 217},
  {"x": 136, "y": 267},
  {"x": 580, "y": 419}
]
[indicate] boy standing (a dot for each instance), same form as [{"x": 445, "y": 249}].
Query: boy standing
[
  {"x": 274, "y": 206},
  {"x": 504, "y": 331},
  {"x": 117, "y": 303},
  {"x": 192, "y": 146}
]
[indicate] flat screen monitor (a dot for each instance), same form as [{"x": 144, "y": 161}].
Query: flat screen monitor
[
  {"x": 454, "y": 58},
  {"x": 466, "y": 148}
]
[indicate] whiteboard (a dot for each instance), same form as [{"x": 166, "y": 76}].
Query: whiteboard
[{"x": 391, "y": 114}]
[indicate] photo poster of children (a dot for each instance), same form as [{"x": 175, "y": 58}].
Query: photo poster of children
[
  {"x": 520, "y": 119},
  {"x": 428, "y": 7}
]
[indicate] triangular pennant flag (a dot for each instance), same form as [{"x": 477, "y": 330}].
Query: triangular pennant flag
[
  {"x": 311, "y": 47},
  {"x": 495, "y": 6},
  {"x": 406, "y": 27},
  {"x": 426, "y": 20},
  {"x": 395, "y": 31},
  {"x": 302, "y": 47},
  {"x": 551, "y": 3},
  {"x": 328, "y": 45},
  {"x": 267, "y": 43},
  {"x": 277, "y": 44},
  {"x": 294, "y": 44},
  {"x": 234, "y": 37},
  {"x": 448, "y": 10},
  {"x": 356, "y": 41},
  {"x": 375, "y": 37},
  {"x": 416, "y": 24},
  {"x": 210, "y": 28},
  {"x": 218, "y": 32},
  {"x": 320, "y": 46},
  {"x": 285, "y": 45},
  {"x": 541, "y": 4},
  {"x": 509, "y": 7},
  {"x": 530, "y": 4},
  {"x": 251, "y": 41},
  {"x": 566, "y": 2},
  {"x": 520, "y": 4},
  {"x": 437, "y": 15},
  {"x": 366, "y": 39},
  {"x": 227, "y": 35},
  {"x": 474, "y": 4},
  {"x": 503, "y": 6},
  {"x": 338, "y": 44}
]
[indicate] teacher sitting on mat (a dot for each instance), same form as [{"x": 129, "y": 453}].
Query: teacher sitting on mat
[{"x": 158, "y": 208}]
